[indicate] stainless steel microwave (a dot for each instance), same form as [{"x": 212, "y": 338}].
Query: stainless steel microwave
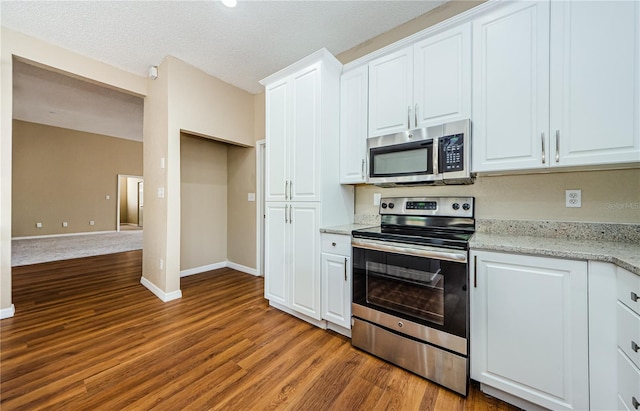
[{"x": 435, "y": 155}]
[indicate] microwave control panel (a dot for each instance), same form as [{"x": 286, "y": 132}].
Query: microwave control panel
[{"x": 451, "y": 153}]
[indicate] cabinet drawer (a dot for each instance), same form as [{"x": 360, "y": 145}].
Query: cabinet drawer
[
  {"x": 629, "y": 333},
  {"x": 336, "y": 244},
  {"x": 628, "y": 382},
  {"x": 628, "y": 289}
]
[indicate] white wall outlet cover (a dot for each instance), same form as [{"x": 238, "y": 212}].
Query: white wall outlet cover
[
  {"x": 160, "y": 192},
  {"x": 251, "y": 197},
  {"x": 376, "y": 198},
  {"x": 38, "y": 225},
  {"x": 65, "y": 224},
  {"x": 573, "y": 198},
  {"x": 107, "y": 197},
  {"x": 92, "y": 222},
  {"x": 162, "y": 162}
]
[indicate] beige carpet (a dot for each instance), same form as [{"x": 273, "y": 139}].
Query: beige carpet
[{"x": 41, "y": 250}]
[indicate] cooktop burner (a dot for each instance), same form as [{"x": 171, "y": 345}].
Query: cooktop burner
[{"x": 433, "y": 221}]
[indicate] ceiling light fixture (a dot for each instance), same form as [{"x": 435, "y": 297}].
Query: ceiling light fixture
[{"x": 229, "y": 3}]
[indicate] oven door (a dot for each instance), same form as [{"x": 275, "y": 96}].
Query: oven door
[{"x": 426, "y": 287}]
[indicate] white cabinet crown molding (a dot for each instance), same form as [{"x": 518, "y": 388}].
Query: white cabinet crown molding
[
  {"x": 323, "y": 55},
  {"x": 444, "y": 25}
]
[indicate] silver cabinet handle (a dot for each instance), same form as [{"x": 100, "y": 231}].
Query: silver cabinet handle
[
  {"x": 634, "y": 297},
  {"x": 475, "y": 271},
  {"x": 286, "y": 197},
  {"x": 557, "y": 146},
  {"x": 290, "y": 219},
  {"x": 290, "y": 190},
  {"x": 544, "y": 154},
  {"x": 408, "y": 117},
  {"x": 285, "y": 214},
  {"x": 345, "y": 268},
  {"x": 362, "y": 169},
  {"x": 415, "y": 114},
  {"x": 634, "y": 346}
]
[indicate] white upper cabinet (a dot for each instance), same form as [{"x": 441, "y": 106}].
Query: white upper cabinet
[
  {"x": 442, "y": 77},
  {"x": 391, "y": 93},
  {"x": 277, "y": 133},
  {"x": 424, "y": 84},
  {"x": 556, "y": 84},
  {"x": 511, "y": 87},
  {"x": 595, "y": 82},
  {"x": 354, "y": 96}
]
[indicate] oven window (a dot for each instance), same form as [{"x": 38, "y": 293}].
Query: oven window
[
  {"x": 417, "y": 290},
  {"x": 402, "y": 159}
]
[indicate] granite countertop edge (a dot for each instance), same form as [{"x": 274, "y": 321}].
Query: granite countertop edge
[
  {"x": 344, "y": 229},
  {"x": 625, "y": 255}
]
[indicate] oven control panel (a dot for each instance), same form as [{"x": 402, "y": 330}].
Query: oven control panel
[{"x": 428, "y": 206}]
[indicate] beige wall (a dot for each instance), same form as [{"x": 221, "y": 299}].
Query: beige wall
[
  {"x": 13, "y": 44},
  {"x": 607, "y": 196},
  {"x": 65, "y": 175},
  {"x": 203, "y": 187}
]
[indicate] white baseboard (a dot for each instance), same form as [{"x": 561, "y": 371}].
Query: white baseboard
[
  {"x": 216, "y": 266},
  {"x": 203, "y": 268},
  {"x": 242, "y": 268},
  {"x": 62, "y": 235},
  {"x": 7, "y": 312},
  {"x": 165, "y": 297}
]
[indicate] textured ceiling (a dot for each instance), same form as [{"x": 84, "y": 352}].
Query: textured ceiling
[{"x": 240, "y": 45}]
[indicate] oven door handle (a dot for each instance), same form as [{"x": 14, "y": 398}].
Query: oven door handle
[{"x": 458, "y": 257}]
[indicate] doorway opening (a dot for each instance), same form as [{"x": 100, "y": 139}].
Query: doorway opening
[{"x": 130, "y": 203}]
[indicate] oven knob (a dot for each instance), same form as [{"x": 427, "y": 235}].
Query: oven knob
[
  {"x": 466, "y": 206},
  {"x": 384, "y": 205},
  {"x": 456, "y": 206},
  {"x": 391, "y": 205},
  {"x": 400, "y": 324}
]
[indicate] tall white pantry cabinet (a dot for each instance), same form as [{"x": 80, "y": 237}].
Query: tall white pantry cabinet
[{"x": 302, "y": 183}]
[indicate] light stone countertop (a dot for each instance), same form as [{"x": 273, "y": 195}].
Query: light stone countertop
[
  {"x": 623, "y": 254},
  {"x": 345, "y": 229}
]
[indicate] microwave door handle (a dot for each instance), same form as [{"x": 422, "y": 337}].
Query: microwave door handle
[
  {"x": 415, "y": 114},
  {"x": 408, "y": 117}
]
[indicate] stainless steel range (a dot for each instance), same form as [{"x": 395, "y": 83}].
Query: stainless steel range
[{"x": 410, "y": 282}]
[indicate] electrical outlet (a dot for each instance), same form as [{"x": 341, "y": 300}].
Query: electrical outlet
[
  {"x": 38, "y": 225},
  {"x": 573, "y": 198},
  {"x": 107, "y": 197},
  {"x": 65, "y": 224},
  {"x": 251, "y": 197},
  {"x": 161, "y": 264},
  {"x": 160, "y": 192},
  {"x": 92, "y": 222},
  {"x": 376, "y": 198}
]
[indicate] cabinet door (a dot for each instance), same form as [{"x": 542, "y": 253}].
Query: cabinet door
[
  {"x": 277, "y": 147},
  {"x": 511, "y": 87},
  {"x": 442, "y": 77},
  {"x": 275, "y": 251},
  {"x": 391, "y": 93},
  {"x": 305, "y": 255},
  {"x": 336, "y": 289},
  {"x": 353, "y": 125},
  {"x": 305, "y": 138},
  {"x": 595, "y": 82},
  {"x": 529, "y": 328}
]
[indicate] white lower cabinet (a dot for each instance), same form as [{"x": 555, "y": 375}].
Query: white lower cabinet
[
  {"x": 336, "y": 281},
  {"x": 529, "y": 329},
  {"x": 292, "y": 269}
]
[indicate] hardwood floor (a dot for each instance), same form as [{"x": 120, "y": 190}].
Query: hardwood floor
[{"x": 87, "y": 335}]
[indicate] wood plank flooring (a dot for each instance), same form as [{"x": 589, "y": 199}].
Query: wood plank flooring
[{"x": 88, "y": 336}]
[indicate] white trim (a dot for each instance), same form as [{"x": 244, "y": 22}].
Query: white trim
[
  {"x": 7, "y": 312},
  {"x": 243, "y": 268},
  {"x": 165, "y": 297},
  {"x": 203, "y": 268},
  {"x": 217, "y": 266},
  {"x": 118, "y": 197},
  {"x": 323, "y": 55},
  {"x": 62, "y": 235},
  {"x": 260, "y": 167}
]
